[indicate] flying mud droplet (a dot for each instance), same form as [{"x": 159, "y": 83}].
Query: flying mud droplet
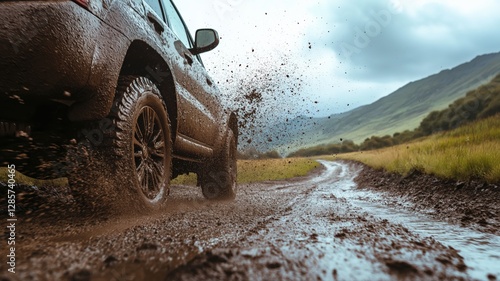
[{"x": 266, "y": 97}]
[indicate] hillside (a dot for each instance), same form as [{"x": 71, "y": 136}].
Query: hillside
[
  {"x": 401, "y": 110},
  {"x": 480, "y": 103}
]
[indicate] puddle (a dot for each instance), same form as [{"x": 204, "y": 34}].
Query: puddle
[{"x": 481, "y": 251}]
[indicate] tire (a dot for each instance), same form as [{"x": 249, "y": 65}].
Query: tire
[
  {"x": 123, "y": 162},
  {"x": 218, "y": 180}
]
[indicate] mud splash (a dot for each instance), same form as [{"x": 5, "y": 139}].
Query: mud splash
[{"x": 266, "y": 100}]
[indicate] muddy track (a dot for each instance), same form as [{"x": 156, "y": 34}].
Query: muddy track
[
  {"x": 291, "y": 230},
  {"x": 473, "y": 203}
]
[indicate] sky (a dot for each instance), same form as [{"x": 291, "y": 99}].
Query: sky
[{"x": 321, "y": 57}]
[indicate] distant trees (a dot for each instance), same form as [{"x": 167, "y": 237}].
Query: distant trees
[
  {"x": 253, "y": 153},
  {"x": 377, "y": 142},
  {"x": 405, "y": 136},
  {"x": 344, "y": 147},
  {"x": 477, "y": 104},
  {"x": 492, "y": 108},
  {"x": 270, "y": 155},
  {"x": 348, "y": 146}
]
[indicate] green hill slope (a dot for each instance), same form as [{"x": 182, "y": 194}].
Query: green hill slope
[
  {"x": 401, "y": 110},
  {"x": 478, "y": 104}
]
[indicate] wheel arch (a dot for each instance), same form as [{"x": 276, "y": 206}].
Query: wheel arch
[{"x": 142, "y": 60}]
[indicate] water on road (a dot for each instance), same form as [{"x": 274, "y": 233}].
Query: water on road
[{"x": 481, "y": 251}]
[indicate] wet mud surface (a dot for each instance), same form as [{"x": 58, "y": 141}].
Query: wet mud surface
[
  {"x": 300, "y": 229},
  {"x": 474, "y": 203}
]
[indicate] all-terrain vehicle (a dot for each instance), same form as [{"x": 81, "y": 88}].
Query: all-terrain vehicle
[{"x": 113, "y": 95}]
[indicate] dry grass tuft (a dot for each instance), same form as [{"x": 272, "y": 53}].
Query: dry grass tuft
[{"x": 471, "y": 151}]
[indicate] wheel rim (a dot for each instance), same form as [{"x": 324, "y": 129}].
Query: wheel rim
[{"x": 149, "y": 153}]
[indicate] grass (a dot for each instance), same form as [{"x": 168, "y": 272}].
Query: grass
[
  {"x": 469, "y": 152},
  {"x": 22, "y": 179},
  {"x": 250, "y": 171},
  {"x": 274, "y": 169}
]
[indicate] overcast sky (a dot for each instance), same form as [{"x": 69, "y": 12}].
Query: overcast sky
[{"x": 339, "y": 54}]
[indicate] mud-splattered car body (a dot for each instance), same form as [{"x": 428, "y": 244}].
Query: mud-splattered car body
[{"x": 61, "y": 63}]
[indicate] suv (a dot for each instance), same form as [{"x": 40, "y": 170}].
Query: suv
[{"x": 113, "y": 95}]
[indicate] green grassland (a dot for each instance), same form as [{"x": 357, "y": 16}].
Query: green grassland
[
  {"x": 250, "y": 171},
  {"x": 274, "y": 169},
  {"x": 468, "y": 152}
]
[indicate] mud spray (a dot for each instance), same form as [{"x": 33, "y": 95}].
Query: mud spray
[{"x": 266, "y": 95}]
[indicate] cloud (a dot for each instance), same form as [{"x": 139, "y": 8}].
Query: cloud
[
  {"x": 345, "y": 51},
  {"x": 381, "y": 41}
]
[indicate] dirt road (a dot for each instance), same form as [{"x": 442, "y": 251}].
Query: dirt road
[{"x": 304, "y": 229}]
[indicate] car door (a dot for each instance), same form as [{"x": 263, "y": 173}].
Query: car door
[{"x": 198, "y": 105}]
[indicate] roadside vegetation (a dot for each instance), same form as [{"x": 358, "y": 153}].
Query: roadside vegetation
[
  {"x": 477, "y": 104},
  {"x": 250, "y": 171},
  {"x": 274, "y": 169},
  {"x": 469, "y": 152}
]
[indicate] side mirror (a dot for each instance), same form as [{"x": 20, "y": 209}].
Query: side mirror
[{"x": 206, "y": 40}]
